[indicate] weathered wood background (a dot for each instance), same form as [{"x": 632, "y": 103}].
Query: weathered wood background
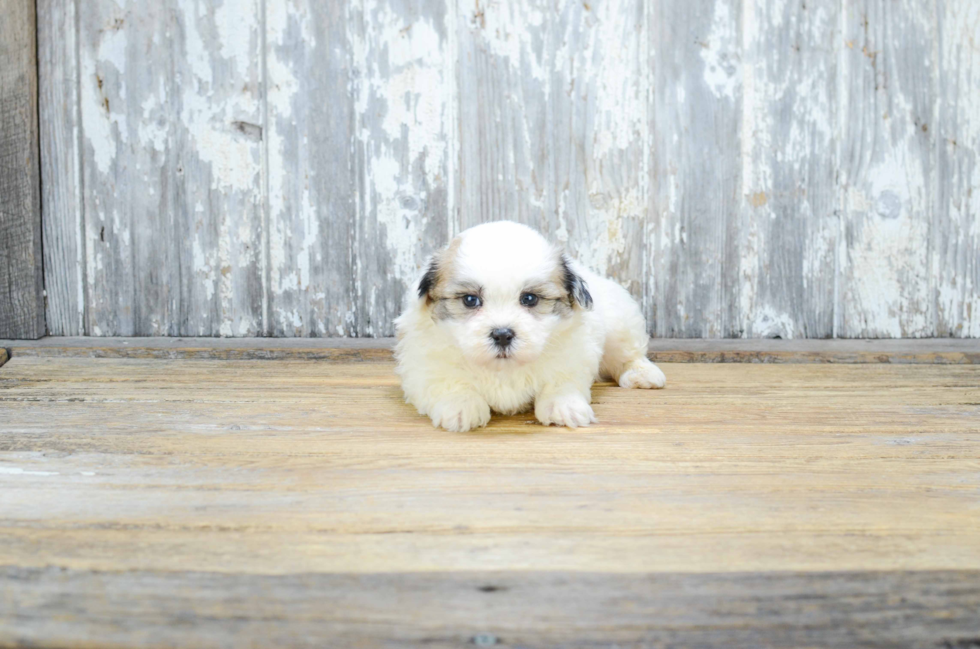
[
  {"x": 21, "y": 286},
  {"x": 793, "y": 168}
]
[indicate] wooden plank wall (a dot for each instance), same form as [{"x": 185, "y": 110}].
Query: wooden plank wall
[
  {"x": 21, "y": 285},
  {"x": 747, "y": 168}
]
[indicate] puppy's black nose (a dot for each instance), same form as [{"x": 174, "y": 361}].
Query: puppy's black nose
[{"x": 502, "y": 337}]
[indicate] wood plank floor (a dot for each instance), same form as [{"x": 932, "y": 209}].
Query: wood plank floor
[{"x": 213, "y": 503}]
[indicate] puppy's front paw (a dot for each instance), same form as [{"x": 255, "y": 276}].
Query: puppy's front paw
[
  {"x": 570, "y": 410},
  {"x": 460, "y": 412},
  {"x": 642, "y": 374}
]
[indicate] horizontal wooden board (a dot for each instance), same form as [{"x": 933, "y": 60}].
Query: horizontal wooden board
[
  {"x": 919, "y": 351},
  {"x": 70, "y": 608},
  {"x": 324, "y": 349}
]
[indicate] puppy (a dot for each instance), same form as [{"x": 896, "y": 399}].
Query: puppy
[{"x": 504, "y": 320}]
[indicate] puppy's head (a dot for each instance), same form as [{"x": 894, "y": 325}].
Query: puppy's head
[{"x": 501, "y": 291}]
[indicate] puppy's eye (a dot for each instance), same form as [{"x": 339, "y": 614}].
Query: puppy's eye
[
  {"x": 471, "y": 301},
  {"x": 529, "y": 299}
]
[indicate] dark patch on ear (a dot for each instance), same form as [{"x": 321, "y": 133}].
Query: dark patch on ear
[
  {"x": 429, "y": 280},
  {"x": 575, "y": 286}
]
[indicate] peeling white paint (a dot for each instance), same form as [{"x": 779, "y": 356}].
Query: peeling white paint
[
  {"x": 570, "y": 136},
  {"x": 153, "y": 129},
  {"x": 403, "y": 108},
  {"x": 512, "y": 30},
  {"x": 207, "y": 112},
  {"x": 956, "y": 265},
  {"x": 767, "y": 322},
  {"x": 756, "y": 128},
  {"x": 196, "y": 53},
  {"x": 225, "y": 277},
  {"x": 204, "y": 264},
  {"x": 102, "y": 81},
  {"x": 236, "y": 24},
  {"x": 782, "y": 165},
  {"x": 620, "y": 115},
  {"x": 293, "y": 220},
  {"x": 720, "y": 53},
  {"x": 886, "y": 266},
  {"x": 602, "y": 196}
]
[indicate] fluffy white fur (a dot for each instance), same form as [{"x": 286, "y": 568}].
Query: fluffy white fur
[{"x": 453, "y": 372}]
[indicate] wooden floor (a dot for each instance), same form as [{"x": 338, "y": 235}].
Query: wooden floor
[{"x": 215, "y": 503}]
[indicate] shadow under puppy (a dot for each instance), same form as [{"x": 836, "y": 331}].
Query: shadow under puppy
[{"x": 504, "y": 320}]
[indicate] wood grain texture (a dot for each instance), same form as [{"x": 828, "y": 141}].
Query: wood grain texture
[
  {"x": 125, "y": 208},
  {"x": 295, "y": 503},
  {"x": 69, "y": 608},
  {"x": 21, "y": 280},
  {"x": 215, "y": 109},
  {"x": 956, "y": 233},
  {"x": 4, "y": 356},
  {"x": 693, "y": 272},
  {"x": 321, "y": 467},
  {"x": 887, "y": 127},
  {"x": 309, "y": 285},
  {"x": 404, "y": 60},
  {"x": 61, "y": 167},
  {"x": 788, "y": 226},
  {"x": 943, "y": 351},
  {"x": 553, "y": 123},
  {"x": 172, "y": 160}
]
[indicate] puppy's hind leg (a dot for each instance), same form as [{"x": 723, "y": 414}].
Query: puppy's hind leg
[
  {"x": 642, "y": 373},
  {"x": 624, "y": 356}
]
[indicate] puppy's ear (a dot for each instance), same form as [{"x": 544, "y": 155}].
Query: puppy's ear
[
  {"x": 429, "y": 280},
  {"x": 440, "y": 267},
  {"x": 575, "y": 286}
]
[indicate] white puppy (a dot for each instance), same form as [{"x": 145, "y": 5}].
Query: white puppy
[{"x": 503, "y": 319}]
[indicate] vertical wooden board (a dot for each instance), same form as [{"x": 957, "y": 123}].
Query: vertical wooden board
[
  {"x": 404, "y": 65},
  {"x": 215, "y": 154},
  {"x": 553, "y": 125},
  {"x": 788, "y": 227},
  {"x": 311, "y": 210},
  {"x": 504, "y": 125},
  {"x": 887, "y": 125},
  {"x": 696, "y": 191},
  {"x": 61, "y": 182},
  {"x": 124, "y": 62},
  {"x": 21, "y": 281},
  {"x": 956, "y": 226},
  {"x": 599, "y": 82},
  {"x": 358, "y": 161},
  {"x": 169, "y": 101}
]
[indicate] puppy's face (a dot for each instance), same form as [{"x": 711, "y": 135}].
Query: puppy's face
[{"x": 502, "y": 292}]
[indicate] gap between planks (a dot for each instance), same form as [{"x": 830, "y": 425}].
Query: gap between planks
[{"x": 943, "y": 351}]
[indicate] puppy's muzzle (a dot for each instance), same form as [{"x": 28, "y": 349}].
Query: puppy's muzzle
[{"x": 502, "y": 337}]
